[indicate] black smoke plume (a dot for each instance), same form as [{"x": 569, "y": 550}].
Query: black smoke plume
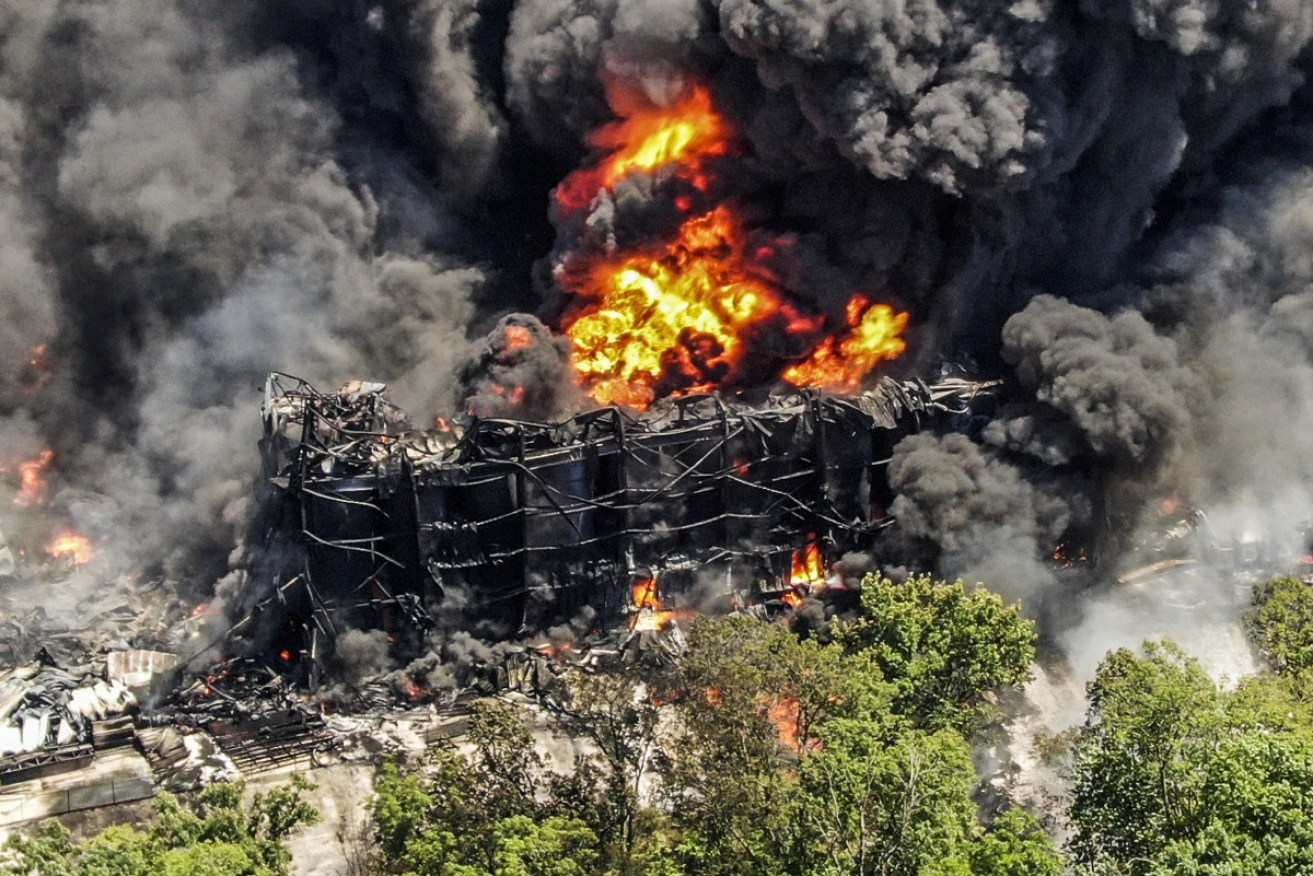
[{"x": 1105, "y": 201}]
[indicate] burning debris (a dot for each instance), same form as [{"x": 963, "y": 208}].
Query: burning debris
[{"x": 509, "y": 526}]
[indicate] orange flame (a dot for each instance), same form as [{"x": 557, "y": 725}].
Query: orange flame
[
  {"x": 512, "y": 394},
  {"x": 673, "y": 322},
  {"x": 786, "y": 715},
  {"x": 518, "y": 337},
  {"x": 808, "y": 568},
  {"x": 679, "y": 315},
  {"x": 645, "y": 594},
  {"x": 648, "y": 613},
  {"x": 39, "y": 369},
  {"x": 806, "y": 572},
  {"x": 72, "y": 546},
  {"x": 874, "y": 333},
  {"x": 686, "y": 133},
  {"x": 557, "y": 651},
  {"x": 32, "y": 479},
  {"x": 1068, "y": 558}
]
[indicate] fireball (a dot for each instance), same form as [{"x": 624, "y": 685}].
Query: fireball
[{"x": 681, "y": 313}]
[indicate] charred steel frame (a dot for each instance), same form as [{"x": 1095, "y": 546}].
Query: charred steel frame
[{"x": 528, "y": 522}]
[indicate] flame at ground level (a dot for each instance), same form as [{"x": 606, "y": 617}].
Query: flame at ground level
[
  {"x": 644, "y": 594},
  {"x": 648, "y": 614},
  {"x": 72, "y": 546},
  {"x": 806, "y": 572},
  {"x": 785, "y": 715},
  {"x": 31, "y": 478},
  {"x": 808, "y": 568}
]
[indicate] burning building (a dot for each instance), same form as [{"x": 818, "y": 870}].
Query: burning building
[
  {"x": 522, "y": 524},
  {"x": 691, "y": 483},
  {"x": 609, "y": 231}
]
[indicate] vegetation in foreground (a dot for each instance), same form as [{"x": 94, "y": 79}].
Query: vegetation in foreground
[
  {"x": 760, "y": 754},
  {"x": 218, "y": 833},
  {"x": 1174, "y": 775}
]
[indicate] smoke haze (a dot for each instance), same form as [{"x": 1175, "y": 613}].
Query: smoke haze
[{"x": 1109, "y": 202}]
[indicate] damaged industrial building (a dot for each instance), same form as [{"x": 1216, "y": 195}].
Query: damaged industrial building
[
  {"x": 703, "y": 500},
  {"x": 489, "y": 528}
]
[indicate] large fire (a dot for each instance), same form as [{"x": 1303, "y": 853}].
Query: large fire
[
  {"x": 875, "y": 333},
  {"x": 806, "y": 572},
  {"x": 689, "y": 133},
  {"x": 681, "y": 313}
]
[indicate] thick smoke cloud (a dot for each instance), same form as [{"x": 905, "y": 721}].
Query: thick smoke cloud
[
  {"x": 521, "y": 370},
  {"x": 1115, "y": 379},
  {"x": 455, "y": 102},
  {"x": 553, "y": 61},
  {"x": 177, "y": 223},
  {"x": 956, "y": 93},
  {"x": 1104, "y": 201},
  {"x": 986, "y": 521}
]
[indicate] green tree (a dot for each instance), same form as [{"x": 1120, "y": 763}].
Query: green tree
[
  {"x": 941, "y": 645},
  {"x": 497, "y": 811},
  {"x": 552, "y": 847},
  {"x": 1014, "y": 845},
  {"x": 1174, "y": 775},
  {"x": 401, "y": 808},
  {"x": 609, "y": 707},
  {"x": 1140, "y": 761},
  {"x": 773, "y": 756},
  {"x": 1282, "y": 624},
  {"x": 886, "y": 807},
  {"x": 750, "y": 700},
  {"x": 217, "y": 833},
  {"x": 1220, "y": 851},
  {"x": 789, "y": 757}
]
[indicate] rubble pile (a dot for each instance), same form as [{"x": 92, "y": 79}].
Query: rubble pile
[{"x": 123, "y": 612}]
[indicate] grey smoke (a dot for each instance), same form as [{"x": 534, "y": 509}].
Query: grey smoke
[
  {"x": 1104, "y": 199},
  {"x": 180, "y": 227},
  {"x": 1116, "y": 379},
  {"x": 986, "y": 521},
  {"x": 1037, "y": 431},
  {"x": 363, "y": 655},
  {"x": 954, "y": 92},
  {"x": 521, "y": 370},
  {"x": 456, "y": 103}
]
